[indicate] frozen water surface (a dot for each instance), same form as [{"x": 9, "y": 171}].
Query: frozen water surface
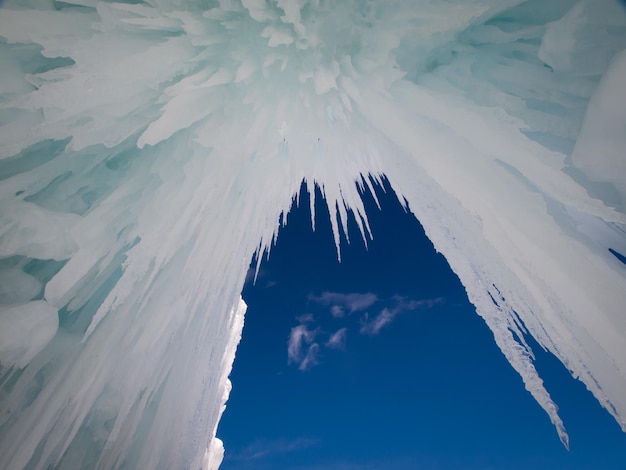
[{"x": 149, "y": 149}]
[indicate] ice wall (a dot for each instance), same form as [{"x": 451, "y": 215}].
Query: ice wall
[{"x": 149, "y": 149}]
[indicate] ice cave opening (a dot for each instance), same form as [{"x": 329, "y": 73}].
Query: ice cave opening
[
  {"x": 148, "y": 150},
  {"x": 380, "y": 361}
]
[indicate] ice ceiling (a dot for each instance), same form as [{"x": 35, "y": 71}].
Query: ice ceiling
[{"x": 148, "y": 149}]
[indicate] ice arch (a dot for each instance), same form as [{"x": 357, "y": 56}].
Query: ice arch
[{"x": 147, "y": 148}]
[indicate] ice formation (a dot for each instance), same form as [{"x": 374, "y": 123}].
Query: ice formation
[{"x": 148, "y": 150}]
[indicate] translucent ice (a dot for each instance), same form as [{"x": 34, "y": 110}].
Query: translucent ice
[
  {"x": 148, "y": 151},
  {"x": 25, "y": 329}
]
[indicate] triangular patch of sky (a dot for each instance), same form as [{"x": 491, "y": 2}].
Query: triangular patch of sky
[{"x": 380, "y": 362}]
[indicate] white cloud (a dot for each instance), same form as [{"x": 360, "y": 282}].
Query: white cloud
[
  {"x": 301, "y": 350},
  {"x": 305, "y": 318},
  {"x": 373, "y": 327},
  {"x": 337, "y": 311},
  {"x": 338, "y": 339},
  {"x": 340, "y": 302},
  {"x": 386, "y": 316},
  {"x": 402, "y": 303},
  {"x": 261, "y": 448},
  {"x": 310, "y": 359},
  {"x": 299, "y": 337}
]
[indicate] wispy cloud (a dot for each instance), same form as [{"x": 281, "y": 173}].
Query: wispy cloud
[
  {"x": 301, "y": 349},
  {"x": 308, "y": 338},
  {"x": 310, "y": 359},
  {"x": 262, "y": 448},
  {"x": 305, "y": 318},
  {"x": 337, "y": 339},
  {"x": 373, "y": 326},
  {"x": 336, "y": 311},
  {"x": 340, "y": 303},
  {"x": 410, "y": 304}
]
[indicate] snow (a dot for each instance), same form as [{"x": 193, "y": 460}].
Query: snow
[{"x": 147, "y": 152}]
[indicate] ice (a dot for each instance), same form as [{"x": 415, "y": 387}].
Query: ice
[
  {"x": 599, "y": 151},
  {"x": 584, "y": 35},
  {"x": 16, "y": 286},
  {"x": 149, "y": 151},
  {"x": 25, "y": 329},
  {"x": 27, "y": 228}
]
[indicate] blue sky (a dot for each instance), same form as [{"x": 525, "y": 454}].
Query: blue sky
[{"x": 380, "y": 362}]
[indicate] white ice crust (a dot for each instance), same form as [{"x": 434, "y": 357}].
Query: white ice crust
[{"x": 148, "y": 151}]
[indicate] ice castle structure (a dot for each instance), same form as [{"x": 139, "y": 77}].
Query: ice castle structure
[{"x": 148, "y": 150}]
